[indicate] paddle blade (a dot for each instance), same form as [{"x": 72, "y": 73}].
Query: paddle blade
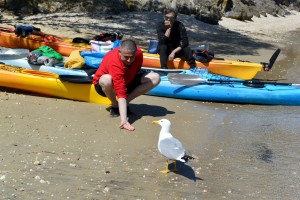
[
  {"x": 185, "y": 79},
  {"x": 13, "y": 54},
  {"x": 272, "y": 60}
]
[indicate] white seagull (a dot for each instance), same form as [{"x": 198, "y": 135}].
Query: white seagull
[{"x": 169, "y": 146}]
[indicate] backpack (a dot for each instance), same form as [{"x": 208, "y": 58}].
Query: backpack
[
  {"x": 44, "y": 55},
  {"x": 203, "y": 56},
  {"x": 103, "y": 37},
  {"x": 33, "y": 56},
  {"x": 109, "y": 36}
]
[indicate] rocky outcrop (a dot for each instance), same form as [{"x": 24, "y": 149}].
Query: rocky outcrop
[{"x": 209, "y": 11}]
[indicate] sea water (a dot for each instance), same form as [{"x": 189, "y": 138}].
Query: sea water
[{"x": 251, "y": 151}]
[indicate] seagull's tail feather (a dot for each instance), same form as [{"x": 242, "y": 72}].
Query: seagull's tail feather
[{"x": 186, "y": 158}]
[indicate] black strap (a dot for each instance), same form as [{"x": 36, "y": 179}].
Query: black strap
[
  {"x": 80, "y": 40},
  {"x": 76, "y": 79}
]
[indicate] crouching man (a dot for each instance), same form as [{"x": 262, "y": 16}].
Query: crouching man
[{"x": 119, "y": 76}]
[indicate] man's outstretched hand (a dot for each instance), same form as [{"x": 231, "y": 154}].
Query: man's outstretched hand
[{"x": 127, "y": 126}]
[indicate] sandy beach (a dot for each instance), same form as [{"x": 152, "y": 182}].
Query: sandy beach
[{"x": 60, "y": 149}]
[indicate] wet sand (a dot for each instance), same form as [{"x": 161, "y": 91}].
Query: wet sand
[{"x": 61, "y": 149}]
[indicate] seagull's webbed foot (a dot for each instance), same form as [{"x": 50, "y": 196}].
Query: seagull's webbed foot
[
  {"x": 167, "y": 168},
  {"x": 165, "y": 171}
]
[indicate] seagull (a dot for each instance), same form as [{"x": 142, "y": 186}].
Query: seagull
[{"x": 169, "y": 146}]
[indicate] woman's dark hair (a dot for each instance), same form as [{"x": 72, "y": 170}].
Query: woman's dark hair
[{"x": 171, "y": 10}]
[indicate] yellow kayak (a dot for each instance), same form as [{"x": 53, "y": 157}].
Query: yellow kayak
[{"x": 47, "y": 83}]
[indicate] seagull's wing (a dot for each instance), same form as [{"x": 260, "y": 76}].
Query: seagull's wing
[{"x": 171, "y": 148}]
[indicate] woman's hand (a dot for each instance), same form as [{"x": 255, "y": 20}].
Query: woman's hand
[{"x": 171, "y": 56}]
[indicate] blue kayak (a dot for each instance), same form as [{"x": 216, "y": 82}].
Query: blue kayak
[
  {"x": 216, "y": 88},
  {"x": 17, "y": 57},
  {"x": 60, "y": 70}
]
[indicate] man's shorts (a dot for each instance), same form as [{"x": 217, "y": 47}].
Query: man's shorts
[{"x": 130, "y": 87}]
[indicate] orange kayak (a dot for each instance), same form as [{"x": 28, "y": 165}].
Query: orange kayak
[
  {"x": 62, "y": 45},
  {"x": 231, "y": 68}
]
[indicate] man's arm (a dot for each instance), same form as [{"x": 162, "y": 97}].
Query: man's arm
[
  {"x": 123, "y": 115},
  {"x": 121, "y": 92},
  {"x": 160, "y": 29}
]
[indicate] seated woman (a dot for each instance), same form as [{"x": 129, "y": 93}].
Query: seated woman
[{"x": 172, "y": 40}]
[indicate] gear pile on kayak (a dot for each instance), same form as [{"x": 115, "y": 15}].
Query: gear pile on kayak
[{"x": 217, "y": 80}]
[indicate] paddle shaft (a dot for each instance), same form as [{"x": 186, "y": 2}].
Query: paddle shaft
[
  {"x": 247, "y": 82},
  {"x": 192, "y": 79},
  {"x": 89, "y": 79}
]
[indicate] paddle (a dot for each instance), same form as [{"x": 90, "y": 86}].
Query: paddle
[
  {"x": 268, "y": 66},
  {"x": 147, "y": 69},
  {"x": 192, "y": 79},
  {"x": 89, "y": 79},
  {"x": 12, "y": 54}
]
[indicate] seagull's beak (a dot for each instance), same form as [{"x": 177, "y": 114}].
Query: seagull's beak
[{"x": 155, "y": 122}]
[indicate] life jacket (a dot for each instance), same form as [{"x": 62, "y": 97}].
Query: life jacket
[{"x": 25, "y": 29}]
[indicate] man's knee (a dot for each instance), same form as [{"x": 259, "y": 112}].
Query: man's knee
[
  {"x": 154, "y": 78},
  {"x": 105, "y": 81}
]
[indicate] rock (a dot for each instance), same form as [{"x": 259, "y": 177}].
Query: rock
[{"x": 209, "y": 18}]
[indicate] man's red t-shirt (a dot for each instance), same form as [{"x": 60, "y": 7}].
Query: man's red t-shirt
[{"x": 121, "y": 75}]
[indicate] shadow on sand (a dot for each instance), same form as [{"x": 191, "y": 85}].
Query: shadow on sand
[
  {"x": 140, "y": 110},
  {"x": 185, "y": 171}
]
